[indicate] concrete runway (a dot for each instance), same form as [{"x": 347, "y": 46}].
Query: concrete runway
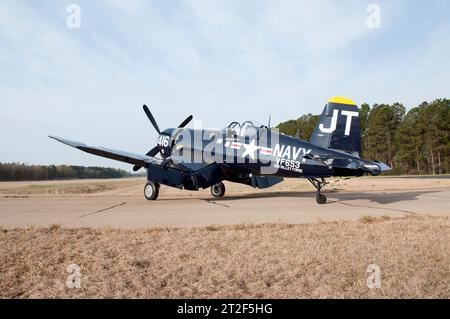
[{"x": 289, "y": 207}]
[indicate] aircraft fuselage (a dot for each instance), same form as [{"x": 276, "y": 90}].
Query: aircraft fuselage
[{"x": 264, "y": 153}]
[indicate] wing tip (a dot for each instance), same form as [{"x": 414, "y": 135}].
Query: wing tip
[{"x": 67, "y": 142}]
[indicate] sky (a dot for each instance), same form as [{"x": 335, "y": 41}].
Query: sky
[{"x": 220, "y": 61}]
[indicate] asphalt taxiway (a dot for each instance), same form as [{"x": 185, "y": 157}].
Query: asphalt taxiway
[{"x": 134, "y": 211}]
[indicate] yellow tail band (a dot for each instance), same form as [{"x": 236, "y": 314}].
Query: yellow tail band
[{"x": 341, "y": 100}]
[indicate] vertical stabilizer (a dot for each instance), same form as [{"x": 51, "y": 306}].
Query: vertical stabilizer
[{"x": 338, "y": 127}]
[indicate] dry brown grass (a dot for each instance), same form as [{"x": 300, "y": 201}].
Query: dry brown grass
[
  {"x": 73, "y": 187},
  {"x": 320, "y": 260}
]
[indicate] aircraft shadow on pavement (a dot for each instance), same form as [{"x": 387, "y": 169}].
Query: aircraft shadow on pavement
[
  {"x": 384, "y": 197},
  {"x": 380, "y": 198}
]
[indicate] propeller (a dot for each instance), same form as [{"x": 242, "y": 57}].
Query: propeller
[
  {"x": 156, "y": 149},
  {"x": 182, "y": 125},
  {"x": 151, "y": 153},
  {"x": 152, "y": 119},
  {"x": 186, "y": 121}
]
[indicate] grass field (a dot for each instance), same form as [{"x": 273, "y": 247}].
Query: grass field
[{"x": 318, "y": 260}]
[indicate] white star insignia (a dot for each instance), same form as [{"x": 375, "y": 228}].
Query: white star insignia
[{"x": 250, "y": 149}]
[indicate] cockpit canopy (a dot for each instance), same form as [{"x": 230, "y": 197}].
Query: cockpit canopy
[{"x": 246, "y": 128}]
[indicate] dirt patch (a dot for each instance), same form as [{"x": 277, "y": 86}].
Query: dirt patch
[{"x": 318, "y": 260}]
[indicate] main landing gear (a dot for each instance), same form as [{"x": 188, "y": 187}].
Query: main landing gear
[
  {"x": 218, "y": 190},
  {"x": 151, "y": 190},
  {"x": 318, "y": 184}
]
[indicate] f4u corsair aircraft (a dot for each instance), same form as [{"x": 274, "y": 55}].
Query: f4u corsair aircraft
[{"x": 250, "y": 154}]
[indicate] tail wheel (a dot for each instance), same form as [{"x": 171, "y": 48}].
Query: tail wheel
[
  {"x": 151, "y": 190},
  {"x": 218, "y": 190},
  {"x": 318, "y": 184}
]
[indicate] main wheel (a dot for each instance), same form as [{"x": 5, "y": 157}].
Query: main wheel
[
  {"x": 151, "y": 190},
  {"x": 321, "y": 199},
  {"x": 218, "y": 190}
]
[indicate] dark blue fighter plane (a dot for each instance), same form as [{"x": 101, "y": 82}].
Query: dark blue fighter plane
[{"x": 249, "y": 153}]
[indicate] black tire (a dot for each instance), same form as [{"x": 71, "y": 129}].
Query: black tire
[
  {"x": 218, "y": 190},
  {"x": 321, "y": 199},
  {"x": 151, "y": 190}
]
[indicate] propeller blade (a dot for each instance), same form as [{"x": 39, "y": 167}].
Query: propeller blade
[
  {"x": 186, "y": 121},
  {"x": 152, "y": 119},
  {"x": 152, "y": 153}
]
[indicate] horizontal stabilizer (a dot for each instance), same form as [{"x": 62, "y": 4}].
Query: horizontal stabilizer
[
  {"x": 384, "y": 167},
  {"x": 335, "y": 159},
  {"x": 340, "y": 160},
  {"x": 376, "y": 167}
]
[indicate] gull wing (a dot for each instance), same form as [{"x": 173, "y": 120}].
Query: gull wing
[{"x": 122, "y": 156}]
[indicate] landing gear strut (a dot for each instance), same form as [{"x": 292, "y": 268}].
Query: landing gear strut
[{"x": 318, "y": 184}]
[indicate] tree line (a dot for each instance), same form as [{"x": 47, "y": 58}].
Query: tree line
[
  {"x": 23, "y": 172},
  {"x": 413, "y": 142}
]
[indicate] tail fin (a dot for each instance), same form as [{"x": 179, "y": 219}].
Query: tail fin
[{"x": 338, "y": 127}]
